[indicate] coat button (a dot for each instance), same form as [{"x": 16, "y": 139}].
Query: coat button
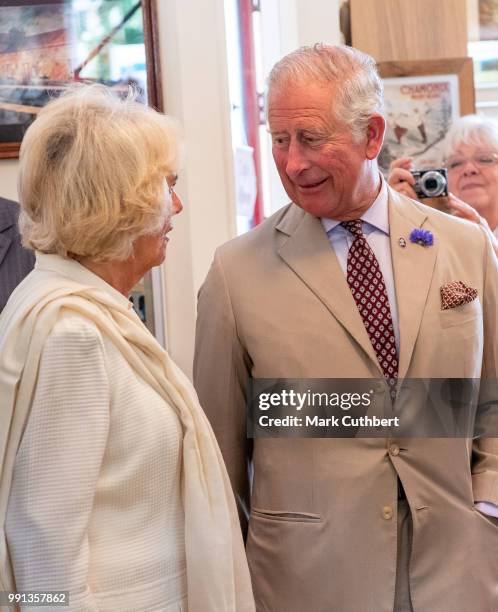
[
  {"x": 394, "y": 450},
  {"x": 387, "y": 513}
]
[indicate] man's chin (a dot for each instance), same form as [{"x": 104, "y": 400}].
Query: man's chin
[{"x": 317, "y": 208}]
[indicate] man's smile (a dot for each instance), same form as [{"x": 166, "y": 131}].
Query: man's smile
[{"x": 309, "y": 186}]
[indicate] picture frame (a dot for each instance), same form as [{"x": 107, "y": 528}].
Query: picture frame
[
  {"x": 45, "y": 45},
  {"x": 422, "y": 99}
]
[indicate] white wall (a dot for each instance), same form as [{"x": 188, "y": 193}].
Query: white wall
[
  {"x": 196, "y": 91},
  {"x": 317, "y": 21}
]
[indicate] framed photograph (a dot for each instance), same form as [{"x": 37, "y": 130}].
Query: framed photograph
[
  {"x": 47, "y": 44},
  {"x": 422, "y": 99}
]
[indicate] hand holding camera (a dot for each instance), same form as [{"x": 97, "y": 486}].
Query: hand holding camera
[
  {"x": 400, "y": 177},
  {"x": 418, "y": 184}
]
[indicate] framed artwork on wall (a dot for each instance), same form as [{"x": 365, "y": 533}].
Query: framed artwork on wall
[
  {"x": 422, "y": 99},
  {"x": 45, "y": 45}
]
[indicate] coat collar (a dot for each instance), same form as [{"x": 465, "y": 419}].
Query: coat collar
[
  {"x": 308, "y": 253},
  {"x": 74, "y": 271}
]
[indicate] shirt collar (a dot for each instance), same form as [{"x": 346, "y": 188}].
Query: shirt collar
[{"x": 377, "y": 214}]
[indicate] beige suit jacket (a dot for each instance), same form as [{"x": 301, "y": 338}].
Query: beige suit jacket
[{"x": 321, "y": 537}]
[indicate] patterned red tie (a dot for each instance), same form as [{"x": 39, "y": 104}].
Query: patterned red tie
[{"x": 369, "y": 291}]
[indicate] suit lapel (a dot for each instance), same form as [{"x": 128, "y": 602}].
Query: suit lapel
[
  {"x": 308, "y": 253},
  {"x": 413, "y": 268}
]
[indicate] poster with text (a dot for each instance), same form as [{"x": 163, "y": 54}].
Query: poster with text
[{"x": 419, "y": 111}]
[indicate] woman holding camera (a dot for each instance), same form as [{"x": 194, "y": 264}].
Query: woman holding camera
[
  {"x": 112, "y": 486},
  {"x": 471, "y": 157}
]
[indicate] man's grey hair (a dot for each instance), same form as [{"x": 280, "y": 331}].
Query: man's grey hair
[
  {"x": 351, "y": 74},
  {"x": 471, "y": 130}
]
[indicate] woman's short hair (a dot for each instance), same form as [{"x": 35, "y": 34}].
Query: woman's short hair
[
  {"x": 473, "y": 130},
  {"x": 348, "y": 71},
  {"x": 92, "y": 171}
]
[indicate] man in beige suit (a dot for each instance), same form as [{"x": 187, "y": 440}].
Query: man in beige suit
[{"x": 352, "y": 525}]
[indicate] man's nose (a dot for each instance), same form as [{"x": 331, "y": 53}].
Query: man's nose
[{"x": 296, "y": 160}]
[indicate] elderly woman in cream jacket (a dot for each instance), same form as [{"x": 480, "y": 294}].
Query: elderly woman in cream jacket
[{"x": 112, "y": 487}]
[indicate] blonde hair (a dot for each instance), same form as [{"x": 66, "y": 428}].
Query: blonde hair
[
  {"x": 92, "y": 170},
  {"x": 352, "y": 74}
]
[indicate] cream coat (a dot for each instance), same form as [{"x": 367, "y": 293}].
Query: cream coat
[
  {"x": 216, "y": 568},
  {"x": 276, "y": 305}
]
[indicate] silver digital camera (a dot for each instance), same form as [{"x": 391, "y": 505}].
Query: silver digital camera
[{"x": 431, "y": 183}]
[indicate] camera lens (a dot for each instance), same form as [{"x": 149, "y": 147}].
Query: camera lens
[{"x": 433, "y": 184}]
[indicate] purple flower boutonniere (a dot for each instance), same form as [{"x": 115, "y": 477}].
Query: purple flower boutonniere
[{"x": 422, "y": 237}]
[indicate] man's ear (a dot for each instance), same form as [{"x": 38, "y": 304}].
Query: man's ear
[{"x": 375, "y": 135}]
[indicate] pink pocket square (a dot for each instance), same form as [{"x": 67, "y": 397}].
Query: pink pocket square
[{"x": 456, "y": 294}]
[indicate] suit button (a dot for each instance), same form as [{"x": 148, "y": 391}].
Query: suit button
[
  {"x": 387, "y": 513},
  {"x": 394, "y": 450}
]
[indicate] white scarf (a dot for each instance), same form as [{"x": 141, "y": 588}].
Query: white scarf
[{"x": 217, "y": 573}]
